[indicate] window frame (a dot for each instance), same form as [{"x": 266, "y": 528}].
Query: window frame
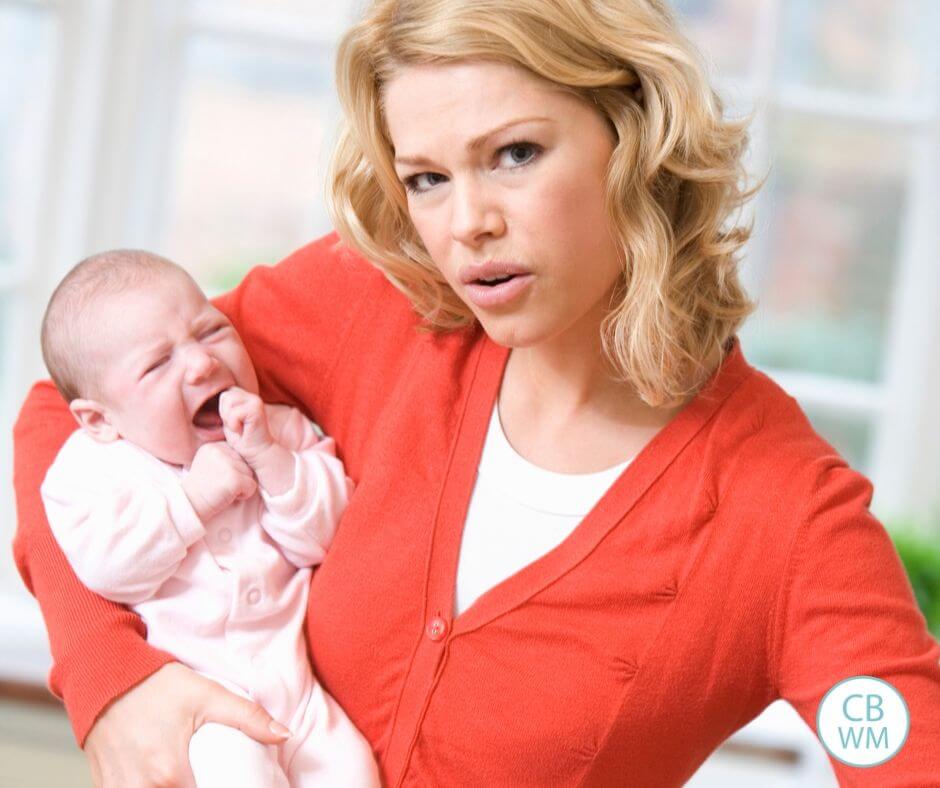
[{"x": 903, "y": 461}]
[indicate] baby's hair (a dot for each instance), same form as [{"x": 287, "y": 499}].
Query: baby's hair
[{"x": 65, "y": 333}]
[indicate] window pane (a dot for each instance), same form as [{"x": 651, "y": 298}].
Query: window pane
[
  {"x": 7, "y": 300},
  {"x": 868, "y": 46},
  {"x": 723, "y": 29},
  {"x": 26, "y": 47},
  {"x": 248, "y": 186},
  {"x": 851, "y": 437},
  {"x": 831, "y": 212},
  {"x": 330, "y": 15},
  {"x": 10, "y": 315}
]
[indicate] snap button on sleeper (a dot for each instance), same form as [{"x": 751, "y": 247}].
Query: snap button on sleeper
[
  {"x": 254, "y": 596},
  {"x": 437, "y": 629},
  {"x": 225, "y": 536}
]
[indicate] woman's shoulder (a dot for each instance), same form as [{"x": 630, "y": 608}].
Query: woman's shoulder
[
  {"x": 332, "y": 265},
  {"x": 789, "y": 502},
  {"x": 322, "y": 283},
  {"x": 328, "y": 257},
  {"x": 305, "y": 309},
  {"x": 774, "y": 450}
]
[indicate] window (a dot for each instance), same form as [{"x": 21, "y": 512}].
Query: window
[
  {"x": 845, "y": 95},
  {"x": 123, "y": 126},
  {"x": 29, "y": 46},
  {"x": 233, "y": 202}
]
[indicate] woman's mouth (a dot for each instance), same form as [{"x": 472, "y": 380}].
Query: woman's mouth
[{"x": 497, "y": 290}]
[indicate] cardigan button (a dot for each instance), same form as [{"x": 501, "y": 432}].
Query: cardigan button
[{"x": 437, "y": 629}]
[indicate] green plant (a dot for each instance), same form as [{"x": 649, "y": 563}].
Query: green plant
[{"x": 920, "y": 554}]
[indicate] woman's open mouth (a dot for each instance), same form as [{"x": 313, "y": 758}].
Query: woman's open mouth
[{"x": 497, "y": 291}]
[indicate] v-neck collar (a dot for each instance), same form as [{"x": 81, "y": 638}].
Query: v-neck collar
[
  {"x": 613, "y": 506},
  {"x": 535, "y": 488}
]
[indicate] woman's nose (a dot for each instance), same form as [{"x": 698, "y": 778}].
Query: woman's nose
[
  {"x": 475, "y": 215},
  {"x": 200, "y": 364}
]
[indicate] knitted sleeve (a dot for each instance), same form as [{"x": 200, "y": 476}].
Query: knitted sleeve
[{"x": 847, "y": 609}]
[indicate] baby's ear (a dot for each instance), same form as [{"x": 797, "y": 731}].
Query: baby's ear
[{"x": 93, "y": 417}]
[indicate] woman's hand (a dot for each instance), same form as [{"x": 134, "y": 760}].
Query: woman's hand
[{"x": 142, "y": 739}]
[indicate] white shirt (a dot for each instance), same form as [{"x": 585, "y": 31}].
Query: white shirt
[{"x": 518, "y": 512}]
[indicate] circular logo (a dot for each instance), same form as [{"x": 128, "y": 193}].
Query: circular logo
[{"x": 863, "y": 721}]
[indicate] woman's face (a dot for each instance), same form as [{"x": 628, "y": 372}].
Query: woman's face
[{"x": 505, "y": 178}]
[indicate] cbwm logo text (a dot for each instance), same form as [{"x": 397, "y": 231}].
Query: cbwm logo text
[
  {"x": 863, "y": 721},
  {"x": 865, "y": 735}
]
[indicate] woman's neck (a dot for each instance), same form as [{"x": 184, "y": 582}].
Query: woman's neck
[
  {"x": 562, "y": 388},
  {"x": 561, "y": 407},
  {"x": 567, "y": 376}
]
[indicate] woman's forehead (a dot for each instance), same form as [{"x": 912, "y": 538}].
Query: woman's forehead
[
  {"x": 461, "y": 81},
  {"x": 465, "y": 100}
]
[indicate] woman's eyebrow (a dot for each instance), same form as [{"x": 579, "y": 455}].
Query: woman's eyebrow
[{"x": 475, "y": 144}]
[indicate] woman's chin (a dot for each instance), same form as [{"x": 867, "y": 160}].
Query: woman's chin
[{"x": 510, "y": 332}]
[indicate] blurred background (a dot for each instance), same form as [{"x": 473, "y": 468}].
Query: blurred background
[{"x": 201, "y": 129}]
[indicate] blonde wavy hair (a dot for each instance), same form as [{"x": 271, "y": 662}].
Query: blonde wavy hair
[{"x": 675, "y": 181}]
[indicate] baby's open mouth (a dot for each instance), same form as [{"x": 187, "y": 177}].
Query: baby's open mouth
[{"x": 207, "y": 416}]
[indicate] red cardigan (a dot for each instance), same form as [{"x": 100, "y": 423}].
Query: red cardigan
[{"x": 734, "y": 562}]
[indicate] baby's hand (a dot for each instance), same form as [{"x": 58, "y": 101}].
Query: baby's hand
[
  {"x": 246, "y": 430},
  {"x": 217, "y": 478},
  {"x": 245, "y": 424}
]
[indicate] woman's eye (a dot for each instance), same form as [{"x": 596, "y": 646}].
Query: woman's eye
[
  {"x": 518, "y": 154},
  {"x": 512, "y": 156},
  {"x": 422, "y": 182}
]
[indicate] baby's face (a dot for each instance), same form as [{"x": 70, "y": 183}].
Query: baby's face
[{"x": 165, "y": 354}]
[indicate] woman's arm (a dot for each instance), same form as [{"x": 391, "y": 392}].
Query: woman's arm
[
  {"x": 86, "y": 673},
  {"x": 846, "y": 609}
]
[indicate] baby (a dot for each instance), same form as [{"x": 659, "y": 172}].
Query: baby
[{"x": 187, "y": 498}]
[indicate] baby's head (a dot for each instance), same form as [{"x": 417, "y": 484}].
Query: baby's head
[{"x": 139, "y": 353}]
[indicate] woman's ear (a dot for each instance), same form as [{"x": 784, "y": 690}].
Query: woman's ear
[{"x": 93, "y": 417}]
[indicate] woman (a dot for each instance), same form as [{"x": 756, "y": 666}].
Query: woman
[{"x": 588, "y": 541}]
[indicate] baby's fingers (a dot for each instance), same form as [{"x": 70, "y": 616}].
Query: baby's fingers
[
  {"x": 243, "y": 417},
  {"x": 247, "y": 486},
  {"x": 232, "y": 420},
  {"x": 231, "y": 406},
  {"x": 236, "y": 462}
]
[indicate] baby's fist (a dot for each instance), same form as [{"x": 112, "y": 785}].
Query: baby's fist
[
  {"x": 217, "y": 478},
  {"x": 245, "y": 423}
]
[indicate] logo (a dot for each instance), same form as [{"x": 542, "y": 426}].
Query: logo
[{"x": 863, "y": 721}]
